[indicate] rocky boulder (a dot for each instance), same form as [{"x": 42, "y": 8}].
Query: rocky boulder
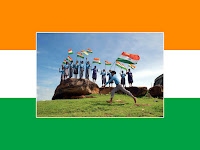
[
  {"x": 136, "y": 91},
  {"x": 156, "y": 91},
  {"x": 75, "y": 88}
]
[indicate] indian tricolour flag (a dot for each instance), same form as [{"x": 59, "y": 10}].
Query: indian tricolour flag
[
  {"x": 84, "y": 52},
  {"x": 128, "y": 58},
  {"x": 118, "y": 64},
  {"x": 96, "y": 60},
  {"x": 123, "y": 67},
  {"x": 69, "y": 58},
  {"x": 80, "y": 55},
  {"x": 70, "y": 51},
  {"x": 131, "y": 66},
  {"x": 107, "y": 63},
  {"x": 64, "y": 62},
  {"x": 89, "y": 51}
]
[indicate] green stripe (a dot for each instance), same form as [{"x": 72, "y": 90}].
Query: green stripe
[
  {"x": 107, "y": 64},
  {"x": 125, "y": 61},
  {"x": 80, "y": 56}
]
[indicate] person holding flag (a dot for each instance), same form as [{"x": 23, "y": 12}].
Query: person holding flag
[
  {"x": 81, "y": 69},
  {"x": 123, "y": 75},
  {"x": 87, "y": 69},
  {"x": 62, "y": 74},
  {"x": 71, "y": 66},
  {"x": 118, "y": 87},
  {"x": 66, "y": 70},
  {"x": 103, "y": 73},
  {"x": 94, "y": 73},
  {"x": 130, "y": 77},
  {"x": 110, "y": 76},
  {"x": 76, "y": 69}
]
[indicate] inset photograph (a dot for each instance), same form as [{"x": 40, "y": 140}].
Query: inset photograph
[{"x": 100, "y": 75}]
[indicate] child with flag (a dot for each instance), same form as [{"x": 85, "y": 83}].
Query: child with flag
[
  {"x": 130, "y": 77},
  {"x": 62, "y": 74},
  {"x": 94, "y": 73},
  {"x": 118, "y": 87},
  {"x": 123, "y": 75},
  {"x": 66, "y": 70},
  {"x": 110, "y": 76},
  {"x": 76, "y": 69},
  {"x": 71, "y": 66},
  {"x": 81, "y": 69},
  {"x": 87, "y": 69},
  {"x": 103, "y": 73}
]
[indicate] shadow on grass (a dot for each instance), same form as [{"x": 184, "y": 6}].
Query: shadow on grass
[{"x": 108, "y": 104}]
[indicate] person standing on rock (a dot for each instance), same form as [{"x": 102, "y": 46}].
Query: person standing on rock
[
  {"x": 103, "y": 73},
  {"x": 66, "y": 70},
  {"x": 87, "y": 69},
  {"x": 81, "y": 69},
  {"x": 71, "y": 66},
  {"x": 123, "y": 75},
  {"x": 110, "y": 76},
  {"x": 94, "y": 73},
  {"x": 118, "y": 87},
  {"x": 130, "y": 77},
  {"x": 62, "y": 74},
  {"x": 76, "y": 69}
]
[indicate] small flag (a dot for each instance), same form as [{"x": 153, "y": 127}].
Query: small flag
[
  {"x": 89, "y": 51},
  {"x": 64, "y": 62},
  {"x": 107, "y": 63},
  {"x": 128, "y": 58},
  {"x": 118, "y": 64},
  {"x": 69, "y": 58},
  {"x": 131, "y": 66},
  {"x": 80, "y": 55},
  {"x": 123, "y": 67},
  {"x": 70, "y": 51},
  {"x": 96, "y": 60},
  {"x": 84, "y": 52}
]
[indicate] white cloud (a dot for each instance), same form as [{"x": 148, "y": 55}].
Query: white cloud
[{"x": 44, "y": 93}]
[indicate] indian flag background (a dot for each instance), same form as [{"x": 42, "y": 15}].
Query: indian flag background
[
  {"x": 20, "y": 128},
  {"x": 70, "y": 51}
]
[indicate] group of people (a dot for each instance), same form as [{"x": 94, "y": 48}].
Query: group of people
[
  {"x": 70, "y": 69},
  {"x": 78, "y": 68}
]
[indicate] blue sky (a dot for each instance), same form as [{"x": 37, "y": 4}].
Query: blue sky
[{"x": 52, "y": 49}]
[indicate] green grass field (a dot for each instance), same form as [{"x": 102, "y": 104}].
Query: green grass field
[{"x": 98, "y": 107}]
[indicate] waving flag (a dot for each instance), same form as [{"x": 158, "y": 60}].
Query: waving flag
[
  {"x": 70, "y": 51},
  {"x": 123, "y": 67},
  {"x": 64, "y": 62},
  {"x": 96, "y": 60},
  {"x": 128, "y": 58},
  {"x": 89, "y": 51},
  {"x": 118, "y": 64},
  {"x": 107, "y": 63},
  {"x": 84, "y": 52},
  {"x": 80, "y": 55},
  {"x": 132, "y": 67},
  {"x": 69, "y": 58}
]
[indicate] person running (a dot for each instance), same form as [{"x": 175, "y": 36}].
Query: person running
[
  {"x": 71, "y": 65},
  {"x": 103, "y": 73},
  {"x": 87, "y": 69},
  {"x": 123, "y": 75},
  {"x": 94, "y": 73},
  {"x": 81, "y": 69},
  {"x": 62, "y": 74},
  {"x": 130, "y": 77},
  {"x": 118, "y": 87},
  {"x": 76, "y": 69},
  {"x": 66, "y": 70},
  {"x": 110, "y": 76}
]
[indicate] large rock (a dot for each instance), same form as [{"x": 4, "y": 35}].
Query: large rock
[
  {"x": 136, "y": 91},
  {"x": 156, "y": 91},
  {"x": 159, "y": 80},
  {"x": 75, "y": 88}
]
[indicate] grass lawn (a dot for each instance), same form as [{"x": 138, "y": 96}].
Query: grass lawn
[{"x": 98, "y": 107}]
